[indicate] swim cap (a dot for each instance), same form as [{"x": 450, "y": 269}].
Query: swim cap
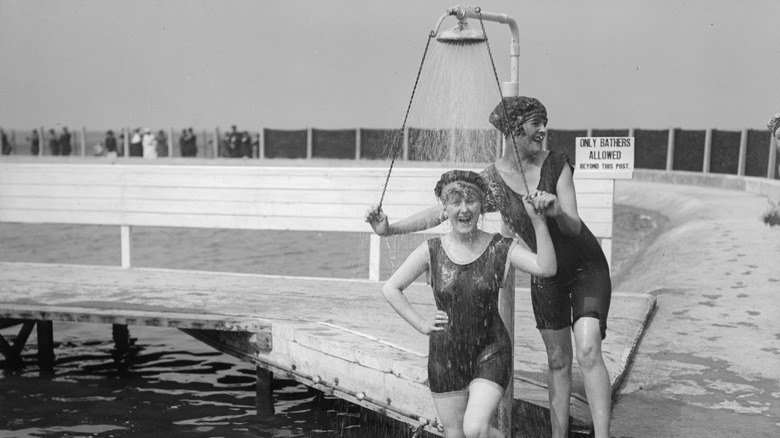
[
  {"x": 465, "y": 176},
  {"x": 512, "y": 112}
]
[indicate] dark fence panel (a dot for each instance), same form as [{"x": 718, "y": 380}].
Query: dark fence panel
[
  {"x": 724, "y": 152},
  {"x": 689, "y": 150},
  {"x": 380, "y": 144},
  {"x": 565, "y": 141},
  {"x": 333, "y": 143},
  {"x": 609, "y": 133},
  {"x": 650, "y": 148},
  {"x": 757, "y": 155},
  {"x": 428, "y": 145},
  {"x": 285, "y": 144}
]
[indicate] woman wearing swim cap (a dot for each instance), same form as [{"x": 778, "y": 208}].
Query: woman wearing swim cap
[
  {"x": 469, "y": 355},
  {"x": 577, "y": 298}
]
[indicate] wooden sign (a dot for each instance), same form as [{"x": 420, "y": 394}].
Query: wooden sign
[{"x": 604, "y": 157}]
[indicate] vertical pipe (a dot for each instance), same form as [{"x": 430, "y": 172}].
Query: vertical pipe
[
  {"x": 670, "y": 150},
  {"x": 742, "y": 152},
  {"x": 506, "y": 309},
  {"x": 589, "y": 132},
  {"x": 707, "y": 151},
  {"x": 309, "y": 142},
  {"x": 358, "y": 144}
]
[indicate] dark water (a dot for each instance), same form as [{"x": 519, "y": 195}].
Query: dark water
[{"x": 169, "y": 384}]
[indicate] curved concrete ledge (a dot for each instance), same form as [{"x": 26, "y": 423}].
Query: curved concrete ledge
[{"x": 750, "y": 184}]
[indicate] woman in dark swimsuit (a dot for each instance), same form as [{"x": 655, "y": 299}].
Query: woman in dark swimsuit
[
  {"x": 579, "y": 295},
  {"x": 469, "y": 359}
]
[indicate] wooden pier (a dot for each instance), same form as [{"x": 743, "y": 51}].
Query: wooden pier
[{"x": 336, "y": 335}]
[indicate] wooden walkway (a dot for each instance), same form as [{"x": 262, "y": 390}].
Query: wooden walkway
[{"x": 336, "y": 335}]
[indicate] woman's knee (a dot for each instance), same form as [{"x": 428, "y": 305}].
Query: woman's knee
[
  {"x": 559, "y": 358},
  {"x": 589, "y": 354},
  {"x": 476, "y": 429}
]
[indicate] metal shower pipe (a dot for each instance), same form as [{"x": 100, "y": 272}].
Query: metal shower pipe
[{"x": 511, "y": 88}]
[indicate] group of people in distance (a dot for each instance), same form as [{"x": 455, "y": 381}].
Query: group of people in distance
[
  {"x": 470, "y": 363},
  {"x": 237, "y": 144}
]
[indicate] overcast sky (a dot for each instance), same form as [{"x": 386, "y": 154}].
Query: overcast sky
[{"x": 352, "y": 63}]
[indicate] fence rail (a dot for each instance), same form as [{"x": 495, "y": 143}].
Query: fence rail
[{"x": 748, "y": 152}]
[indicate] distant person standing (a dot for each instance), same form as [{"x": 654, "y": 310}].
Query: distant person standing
[
  {"x": 65, "y": 147},
  {"x": 35, "y": 143},
  {"x": 183, "y": 143},
  {"x": 193, "y": 143},
  {"x": 245, "y": 145},
  {"x": 162, "y": 143},
  {"x": 54, "y": 143},
  {"x": 136, "y": 144},
  {"x": 149, "y": 143},
  {"x": 6, "y": 146},
  {"x": 110, "y": 146}
]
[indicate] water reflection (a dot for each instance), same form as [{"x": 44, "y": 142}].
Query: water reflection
[{"x": 163, "y": 384}]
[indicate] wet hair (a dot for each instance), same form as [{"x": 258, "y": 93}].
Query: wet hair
[
  {"x": 464, "y": 176},
  {"x": 513, "y": 112}
]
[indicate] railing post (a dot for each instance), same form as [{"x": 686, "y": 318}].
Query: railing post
[
  {"x": 309, "y": 142},
  {"x": 83, "y": 141},
  {"x": 216, "y": 143},
  {"x": 170, "y": 142},
  {"x": 406, "y": 144},
  {"x": 670, "y": 150},
  {"x": 374, "y": 256},
  {"x": 707, "y": 151},
  {"x": 261, "y": 144},
  {"x": 742, "y": 152},
  {"x": 126, "y": 250},
  {"x": 42, "y": 144},
  {"x": 358, "y": 145},
  {"x": 126, "y": 142}
]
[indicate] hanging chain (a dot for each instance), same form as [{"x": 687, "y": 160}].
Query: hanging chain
[
  {"x": 403, "y": 126},
  {"x": 503, "y": 103}
]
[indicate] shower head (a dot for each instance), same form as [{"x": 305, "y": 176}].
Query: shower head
[{"x": 461, "y": 34}]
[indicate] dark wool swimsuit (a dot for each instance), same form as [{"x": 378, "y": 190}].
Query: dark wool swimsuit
[
  {"x": 582, "y": 285},
  {"x": 475, "y": 344}
]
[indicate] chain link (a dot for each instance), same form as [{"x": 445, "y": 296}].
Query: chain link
[{"x": 403, "y": 126}]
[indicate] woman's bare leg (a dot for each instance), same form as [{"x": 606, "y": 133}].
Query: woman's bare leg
[
  {"x": 451, "y": 410},
  {"x": 559, "y": 359},
  {"x": 484, "y": 398},
  {"x": 587, "y": 338}
]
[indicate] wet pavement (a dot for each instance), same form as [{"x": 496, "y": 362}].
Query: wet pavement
[{"x": 708, "y": 364}]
